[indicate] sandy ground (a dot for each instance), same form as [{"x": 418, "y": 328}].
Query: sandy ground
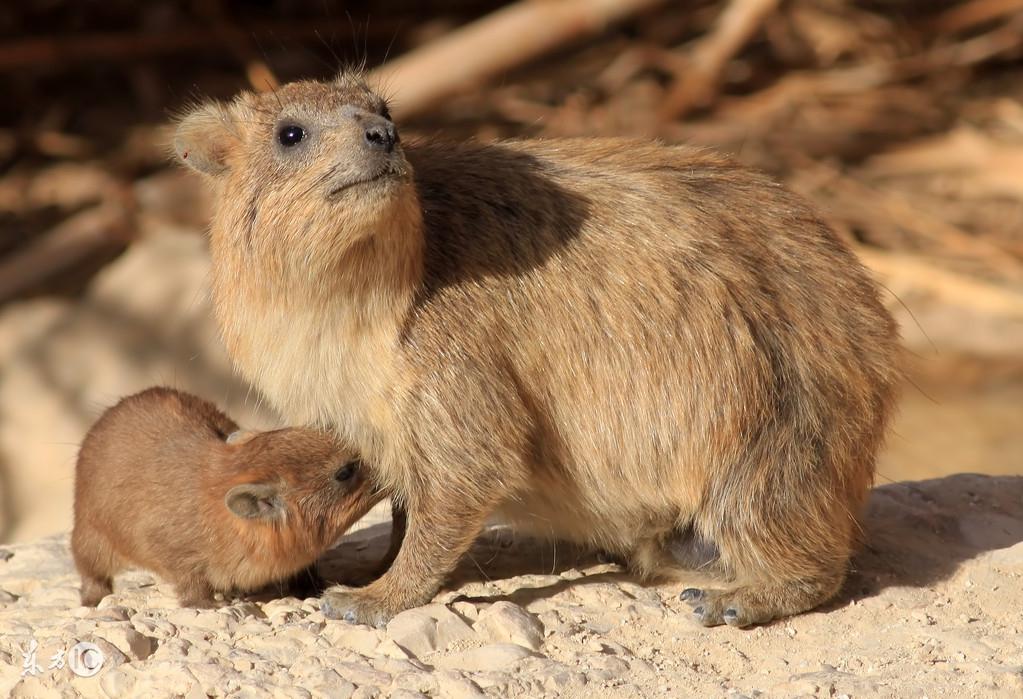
[{"x": 932, "y": 609}]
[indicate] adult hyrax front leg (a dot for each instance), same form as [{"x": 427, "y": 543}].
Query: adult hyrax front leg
[{"x": 609, "y": 341}]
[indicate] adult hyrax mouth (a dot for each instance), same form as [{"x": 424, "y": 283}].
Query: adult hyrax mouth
[{"x": 383, "y": 175}]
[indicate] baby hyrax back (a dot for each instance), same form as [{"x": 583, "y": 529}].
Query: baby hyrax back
[{"x": 167, "y": 482}]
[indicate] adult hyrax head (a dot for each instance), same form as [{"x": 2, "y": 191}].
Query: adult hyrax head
[
  {"x": 165, "y": 481},
  {"x": 311, "y": 159}
]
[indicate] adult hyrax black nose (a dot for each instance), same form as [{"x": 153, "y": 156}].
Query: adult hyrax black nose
[{"x": 381, "y": 135}]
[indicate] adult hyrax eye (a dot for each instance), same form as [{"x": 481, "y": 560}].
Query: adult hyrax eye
[
  {"x": 346, "y": 472},
  {"x": 290, "y": 135}
]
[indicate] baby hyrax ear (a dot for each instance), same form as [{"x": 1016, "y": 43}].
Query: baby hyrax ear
[
  {"x": 205, "y": 137},
  {"x": 255, "y": 501},
  {"x": 239, "y": 437}
]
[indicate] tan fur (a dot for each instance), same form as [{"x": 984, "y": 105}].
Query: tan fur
[
  {"x": 150, "y": 489},
  {"x": 641, "y": 347}
]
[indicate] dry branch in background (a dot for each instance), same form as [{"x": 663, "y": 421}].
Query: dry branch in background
[
  {"x": 499, "y": 42},
  {"x": 698, "y": 83}
]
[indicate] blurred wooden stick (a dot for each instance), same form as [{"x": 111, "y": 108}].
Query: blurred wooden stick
[
  {"x": 70, "y": 242},
  {"x": 952, "y": 288},
  {"x": 971, "y": 14},
  {"x": 74, "y": 50},
  {"x": 501, "y": 41},
  {"x": 699, "y": 84}
]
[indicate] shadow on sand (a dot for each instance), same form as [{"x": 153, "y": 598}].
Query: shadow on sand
[{"x": 917, "y": 534}]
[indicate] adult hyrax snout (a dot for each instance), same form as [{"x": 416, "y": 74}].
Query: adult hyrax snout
[
  {"x": 645, "y": 348},
  {"x": 167, "y": 482}
]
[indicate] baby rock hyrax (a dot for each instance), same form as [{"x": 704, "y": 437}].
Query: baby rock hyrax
[
  {"x": 167, "y": 482},
  {"x": 645, "y": 348}
]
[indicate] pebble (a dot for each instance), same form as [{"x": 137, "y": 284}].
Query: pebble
[
  {"x": 451, "y": 627},
  {"x": 493, "y": 657},
  {"x": 504, "y": 622},
  {"x": 361, "y": 639},
  {"x": 452, "y": 685},
  {"x": 129, "y": 641},
  {"x": 414, "y": 631},
  {"x": 362, "y": 674},
  {"x": 117, "y": 683}
]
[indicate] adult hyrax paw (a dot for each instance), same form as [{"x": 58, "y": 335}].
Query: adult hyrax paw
[
  {"x": 355, "y": 607},
  {"x": 716, "y": 607}
]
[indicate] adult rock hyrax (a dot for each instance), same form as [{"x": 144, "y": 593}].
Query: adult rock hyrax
[
  {"x": 167, "y": 482},
  {"x": 645, "y": 348}
]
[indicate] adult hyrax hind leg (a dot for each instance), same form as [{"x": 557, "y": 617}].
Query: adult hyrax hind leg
[
  {"x": 779, "y": 568},
  {"x": 759, "y": 603}
]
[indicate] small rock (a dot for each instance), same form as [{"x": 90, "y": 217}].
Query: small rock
[
  {"x": 112, "y": 655},
  {"x": 362, "y": 674},
  {"x": 366, "y": 692},
  {"x": 153, "y": 626},
  {"x": 407, "y": 694},
  {"x": 452, "y": 685},
  {"x": 492, "y": 657},
  {"x": 416, "y": 681},
  {"x": 117, "y": 683},
  {"x": 504, "y": 622},
  {"x": 128, "y": 640},
  {"x": 557, "y": 677},
  {"x": 111, "y": 613},
  {"x": 204, "y": 620},
  {"x": 333, "y": 688},
  {"x": 6, "y": 555},
  {"x": 390, "y": 649},
  {"x": 414, "y": 631},
  {"x": 466, "y": 610},
  {"x": 361, "y": 639},
  {"x": 451, "y": 628},
  {"x": 614, "y": 667},
  {"x": 7, "y": 598},
  {"x": 243, "y": 610}
]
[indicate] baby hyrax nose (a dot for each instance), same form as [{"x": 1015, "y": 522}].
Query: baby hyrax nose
[{"x": 381, "y": 134}]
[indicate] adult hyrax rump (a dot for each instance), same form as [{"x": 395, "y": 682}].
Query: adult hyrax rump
[
  {"x": 165, "y": 481},
  {"x": 642, "y": 347}
]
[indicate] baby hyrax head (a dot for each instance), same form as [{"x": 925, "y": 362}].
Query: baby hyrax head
[
  {"x": 310, "y": 159},
  {"x": 300, "y": 487}
]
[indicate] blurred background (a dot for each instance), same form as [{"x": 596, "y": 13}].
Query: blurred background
[{"x": 901, "y": 119}]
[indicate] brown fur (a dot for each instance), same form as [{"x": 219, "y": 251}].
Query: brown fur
[
  {"x": 153, "y": 484},
  {"x": 641, "y": 347}
]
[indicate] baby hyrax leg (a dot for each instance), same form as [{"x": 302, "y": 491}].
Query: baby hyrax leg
[
  {"x": 196, "y": 591},
  {"x": 95, "y": 563},
  {"x": 95, "y": 589}
]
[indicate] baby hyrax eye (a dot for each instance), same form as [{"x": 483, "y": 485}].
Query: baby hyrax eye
[
  {"x": 346, "y": 472},
  {"x": 290, "y": 135}
]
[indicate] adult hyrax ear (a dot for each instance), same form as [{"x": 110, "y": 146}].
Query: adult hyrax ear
[
  {"x": 255, "y": 501},
  {"x": 205, "y": 137}
]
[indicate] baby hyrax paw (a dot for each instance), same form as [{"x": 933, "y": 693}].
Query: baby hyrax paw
[{"x": 355, "y": 607}]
